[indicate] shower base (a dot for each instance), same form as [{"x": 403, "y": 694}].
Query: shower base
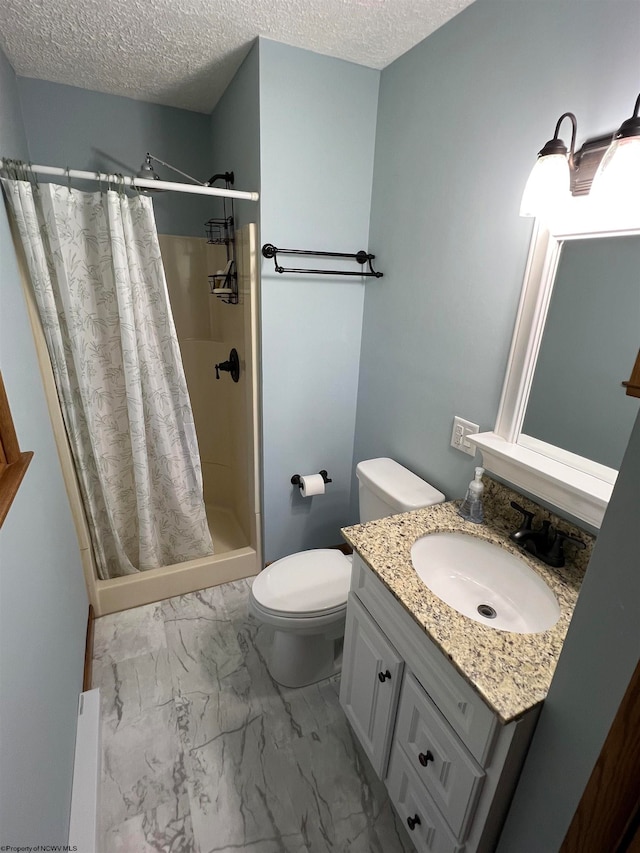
[{"x": 233, "y": 559}]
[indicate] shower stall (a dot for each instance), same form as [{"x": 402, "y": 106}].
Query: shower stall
[{"x": 225, "y": 412}]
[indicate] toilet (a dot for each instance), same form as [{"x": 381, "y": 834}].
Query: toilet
[{"x": 303, "y": 597}]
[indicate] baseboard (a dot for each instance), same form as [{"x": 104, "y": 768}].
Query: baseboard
[{"x": 83, "y": 824}]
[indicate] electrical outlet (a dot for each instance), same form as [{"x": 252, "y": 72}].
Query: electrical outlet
[{"x": 459, "y": 435}]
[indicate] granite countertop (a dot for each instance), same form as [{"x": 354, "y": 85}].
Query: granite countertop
[{"x": 511, "y": 672}]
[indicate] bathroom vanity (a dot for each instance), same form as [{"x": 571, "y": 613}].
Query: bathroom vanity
[{"x": 443, "y": 706}]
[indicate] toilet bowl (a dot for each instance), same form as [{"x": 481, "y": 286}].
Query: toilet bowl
[{"x": 303, "y": 597}]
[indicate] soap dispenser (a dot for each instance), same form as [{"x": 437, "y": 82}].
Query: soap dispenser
[{"x": 471, "y": 508}]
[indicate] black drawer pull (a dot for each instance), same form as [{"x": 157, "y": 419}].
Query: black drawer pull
[
  {"x": 425, "y": 757},
  {"x": 384, "y": 675},
  {"x": 413, "y": 822}
]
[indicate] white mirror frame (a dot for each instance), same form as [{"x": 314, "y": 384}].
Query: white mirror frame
[{"x": 571, "y": 483}]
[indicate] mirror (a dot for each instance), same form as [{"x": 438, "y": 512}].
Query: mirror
[
  {"x": 590, "y": 339},
  {"x": 564, "y": 419}
]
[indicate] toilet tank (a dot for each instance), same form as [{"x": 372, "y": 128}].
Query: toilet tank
[{"x": 386, "y": 488}]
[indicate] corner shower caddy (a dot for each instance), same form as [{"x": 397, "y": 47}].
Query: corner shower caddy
[
  {"x": 361, "y": 257},
  {"x": 221, "y": 232}
]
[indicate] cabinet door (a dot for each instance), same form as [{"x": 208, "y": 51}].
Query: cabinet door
[{"x": 370, "y": 684}]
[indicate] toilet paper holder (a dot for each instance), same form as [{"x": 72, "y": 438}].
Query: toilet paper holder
[{"x": 296, "y": 481}]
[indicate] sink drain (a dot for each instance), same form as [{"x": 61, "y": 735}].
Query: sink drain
[{"x": 487, "y": 611}]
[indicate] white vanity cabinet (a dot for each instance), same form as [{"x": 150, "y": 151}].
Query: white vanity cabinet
[
  {"x": 370, "y": 696},
  {"x": 449, "y": 764}
]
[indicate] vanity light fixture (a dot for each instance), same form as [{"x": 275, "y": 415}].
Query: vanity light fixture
[
  {"x": 550, "y": 177},
  {"x": 610, "y": 164},
  {"x": 618, "y": 177}
]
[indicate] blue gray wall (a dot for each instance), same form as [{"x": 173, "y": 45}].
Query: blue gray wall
[
  {"x": 317, "y": 130},
  {"x": 43, "y": 601},
  {"x": 598, "y": 659},
  {"x": 235, "y": 135},
  {"x": 461, "y": 118},
  {"x": 67, "y": 126}
]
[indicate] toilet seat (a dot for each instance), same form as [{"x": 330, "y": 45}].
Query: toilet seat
[
  {"x": 305, "y": 614},
  {"x": 304, "y": 585}
]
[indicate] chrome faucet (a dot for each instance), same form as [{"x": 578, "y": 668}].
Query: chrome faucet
[{"x": 546, "y": 543}]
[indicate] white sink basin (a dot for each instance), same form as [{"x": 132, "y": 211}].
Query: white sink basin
[{"x": 485, "y": 582}]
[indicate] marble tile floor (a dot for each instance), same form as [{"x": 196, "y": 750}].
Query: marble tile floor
[{"x": 203, "y": 752}]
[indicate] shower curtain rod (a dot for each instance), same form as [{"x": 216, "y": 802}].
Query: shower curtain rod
[{"x": 142, "y": 183}]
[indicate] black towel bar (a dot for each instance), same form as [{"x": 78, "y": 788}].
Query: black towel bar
[{"x": 361, "y": 257}]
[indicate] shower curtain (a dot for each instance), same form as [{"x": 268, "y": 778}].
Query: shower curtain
[{"x": 98, "y": 279}]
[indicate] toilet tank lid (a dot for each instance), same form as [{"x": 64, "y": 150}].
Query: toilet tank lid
[{"x": 396, "y": 485}]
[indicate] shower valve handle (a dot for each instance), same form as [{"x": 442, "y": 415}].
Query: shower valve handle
[{"x": 231, "y": 366}]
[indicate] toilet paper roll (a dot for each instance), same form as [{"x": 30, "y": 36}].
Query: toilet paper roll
[{"x": 311, "y": 484}]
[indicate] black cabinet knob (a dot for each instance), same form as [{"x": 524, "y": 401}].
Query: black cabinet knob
[
  {"x": 425, "y": 757},
  {"x": 413, "y": 822},
  {"x": 384, "y": 675}
]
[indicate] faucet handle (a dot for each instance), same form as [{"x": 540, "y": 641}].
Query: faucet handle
[
  {"x": 526, "y": 524},
  {"x": 555, "y": 556},
  {"x": 546, "y": 532},
  {"x": 527, "y": 517}
]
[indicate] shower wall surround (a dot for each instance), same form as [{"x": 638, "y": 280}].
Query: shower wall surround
[{"x": 222, "y": 411}]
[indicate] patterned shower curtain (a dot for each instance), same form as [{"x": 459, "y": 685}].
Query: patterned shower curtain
[{"x": 99, "y": 283}]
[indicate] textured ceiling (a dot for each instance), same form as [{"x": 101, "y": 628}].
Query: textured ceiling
[{"x": 184, "y": 52}]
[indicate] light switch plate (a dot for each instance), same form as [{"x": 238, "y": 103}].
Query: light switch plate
[{"x": 459, "y": 435}]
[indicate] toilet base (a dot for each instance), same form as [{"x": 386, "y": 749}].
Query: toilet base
[{"x": 297, "y": 660}]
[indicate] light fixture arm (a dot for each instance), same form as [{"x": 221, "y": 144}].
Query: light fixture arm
[
  {"x": 169, "y": 166},
  {"x": 630, "y": 127},
  {"x": 574, "y": 130},
  {"x": 557, "y": 146}
]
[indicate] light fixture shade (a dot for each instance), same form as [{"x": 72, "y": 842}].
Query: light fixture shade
[
  {"x": 617, "y": 181},
  {"x": 548, "y": 186}
]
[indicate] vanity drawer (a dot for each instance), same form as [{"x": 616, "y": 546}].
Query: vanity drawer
[
  {"x": 445, "y": 768},
  {"x": 430, "y": 833},
  {"x": 469, "y": 716}
]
